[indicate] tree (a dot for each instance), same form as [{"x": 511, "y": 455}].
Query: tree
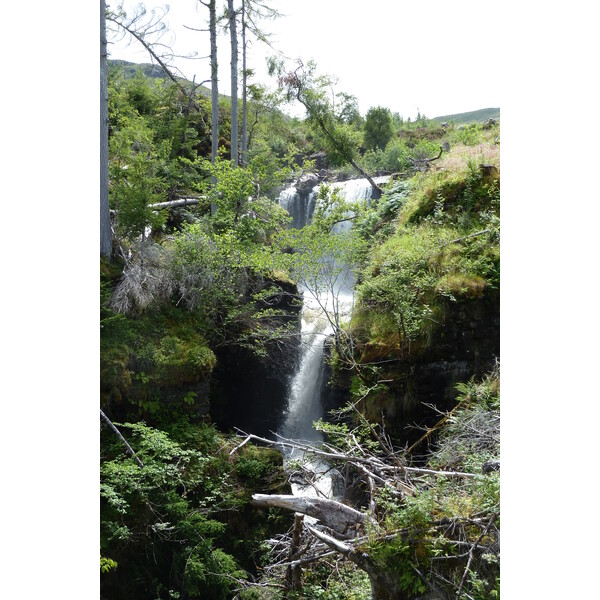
[
  {"x": 214, "y": 78},
  {"x": 323, "y": 260},
  {"x": 379, "y": 128},
  {"x": 105, "y": 228},
  {"x": 214, "y": 87},
  {"x": 251, "y": 11},
  {"x": 148, "y": 31},
  {"x": 347, "y": 109},
  {"x": 244, "y": 88},
  {"x": 303, "y": 85},
  {"x": 232, "y": 19}
]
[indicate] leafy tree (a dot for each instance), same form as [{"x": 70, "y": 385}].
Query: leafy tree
[
  {"x": 347, "y": 110},
  {"x": 324, "y": 257},
  {"x": 135, "y": 177},
  {"x": 303, "y": 85},
  {"x": 378, "y": 128}
]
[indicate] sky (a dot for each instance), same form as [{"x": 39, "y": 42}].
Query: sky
[{"x": 435, "y": 57}]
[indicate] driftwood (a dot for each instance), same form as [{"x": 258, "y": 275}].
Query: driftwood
[
  {"x": 375, "y": 464},
  {"x": 342, "y": 519}
]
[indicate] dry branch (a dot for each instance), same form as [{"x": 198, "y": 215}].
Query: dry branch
[{"x": 125, "y": 443}]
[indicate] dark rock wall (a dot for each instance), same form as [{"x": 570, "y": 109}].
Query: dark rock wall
[
  {"x": 466, "y": 345},
  {"x": 249, "y": 391}
]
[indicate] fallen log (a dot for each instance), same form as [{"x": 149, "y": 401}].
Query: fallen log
[
  {"x": 170, "y": 204},
  {"x": 343, "y": 519},
  {"x": 176, "y": 203}
]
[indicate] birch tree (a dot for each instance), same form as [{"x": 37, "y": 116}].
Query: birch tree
[{"x": 312, "y": 91}]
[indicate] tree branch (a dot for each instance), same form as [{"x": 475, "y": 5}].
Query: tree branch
[{"x": 125, "y": 443}]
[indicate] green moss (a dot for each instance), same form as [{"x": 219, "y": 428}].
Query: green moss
[
  {"x": 140, "y": 355},
  {"x": 460, "y": 284},
  {"x": 182, "y": 360}
]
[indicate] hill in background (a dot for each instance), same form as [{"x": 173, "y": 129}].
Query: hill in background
[
  {"x": 152, "y": 71},
  {"x": 156, "y": 72},
  {"x": 482, "y": 114}
]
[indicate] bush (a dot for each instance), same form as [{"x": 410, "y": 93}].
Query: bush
[{"x": 469, "y": 135}]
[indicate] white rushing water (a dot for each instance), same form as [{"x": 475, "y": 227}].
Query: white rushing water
[{"x": 311, "y": 477}]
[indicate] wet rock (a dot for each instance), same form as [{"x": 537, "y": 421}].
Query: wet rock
[{"x": 307, "y": 182}]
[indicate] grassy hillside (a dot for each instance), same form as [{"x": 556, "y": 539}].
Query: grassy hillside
[
  {"x": 151, "y": 71},
  {"x": 470, "y": 117}
]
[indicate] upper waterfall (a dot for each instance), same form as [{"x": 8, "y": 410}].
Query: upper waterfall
[{"x": 300, "y": 202}]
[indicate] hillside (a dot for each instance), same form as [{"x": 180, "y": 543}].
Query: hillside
[
  {"x": 473, "y": 116},
  {"x": 149, "y": 70}
]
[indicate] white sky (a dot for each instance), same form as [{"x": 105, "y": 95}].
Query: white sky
[{"x": 438, "y": 57}]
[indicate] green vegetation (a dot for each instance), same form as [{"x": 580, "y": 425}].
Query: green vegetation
[
  {"x": 378, "y": 128},
  {"x": 177, "y": 516},
  {"x": 213, "y": 271},
  {"x": 440, "y": 245},
  {"x": 436, "y": 523}
]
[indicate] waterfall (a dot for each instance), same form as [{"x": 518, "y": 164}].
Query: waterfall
[
  {"x": 304, "y": 397},
  {"x": 299, "y": 204}
]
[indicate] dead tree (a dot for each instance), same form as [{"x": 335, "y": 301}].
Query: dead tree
[
  {"x": 105, "y": 229},
  {"x": 332, "y": 528}
]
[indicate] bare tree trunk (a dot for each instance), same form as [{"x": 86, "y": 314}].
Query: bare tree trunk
[
  {"x": 294, "y": 572},
  {"x": 234, "y": 82},
  {"x": 105, "y": 231},
  {"x": 244, "y": 90},
  {"x": 214, "y": 77}
]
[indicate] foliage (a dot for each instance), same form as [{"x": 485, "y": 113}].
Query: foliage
[
  {"x": 469, "y": 135},
  {"x": 324, "y": 255},
  {"x": 441, "y": 246},
  {"x": 343, "y": 583},
  {"x": 167, "y": 526},
  {"x": 339, "y": 139},
  {"x": 136, "y": 182},
  {"x": 438, "y": 523},
  {"x": 378, "y": 128},
  {"x": 161, "y": 513}
]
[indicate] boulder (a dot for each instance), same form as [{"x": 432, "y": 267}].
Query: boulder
[{"x": 307, "y": 182}]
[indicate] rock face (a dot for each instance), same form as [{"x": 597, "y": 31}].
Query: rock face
[
  {"x": 249, "y": 391},
  {"x": 466, "y": 345},
  {"x": 321, "y": 161}
]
